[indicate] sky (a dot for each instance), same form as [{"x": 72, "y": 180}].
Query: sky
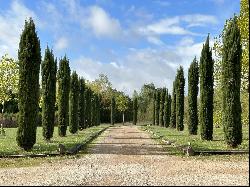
[{"x": 133, "y": 42}]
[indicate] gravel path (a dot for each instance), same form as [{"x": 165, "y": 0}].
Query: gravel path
[{"x": 127, "y": 156}]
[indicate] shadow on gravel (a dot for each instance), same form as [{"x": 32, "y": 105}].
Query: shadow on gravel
[{"x": 136, "y": 138}]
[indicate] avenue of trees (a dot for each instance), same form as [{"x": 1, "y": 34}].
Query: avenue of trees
[{"x": 218, "y": 91}]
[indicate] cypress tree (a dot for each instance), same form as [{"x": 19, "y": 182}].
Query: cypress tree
[
  {"x": 48, "y": 93},
  {"x": 162, "y": 102},
  {"x": 173, "y": 107},
  {"x": 98, "y": 106},
  {"x": 74, "y": 103},
  {"x": 63, "y": 78},
  {"x": 135, "y": 110},
  {"x": 29, "y": 57},
  {"x": 112, "y": 117},
  {"x": 168, "y": 111},
  {"x": 87, "y": 107},
  {"x": 157, "y": 111},
  {"x": 154, "y": 107},
  {"x": 81, "y": 104},
  {"x": 180, "y": 83},
  {"x": 231, "y": 81},
  {"x": 206, "y": 92},
  {"x": 193, "y": 81}
]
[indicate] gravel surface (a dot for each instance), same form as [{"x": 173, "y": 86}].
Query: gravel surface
[{"x": 126, "y": 155}]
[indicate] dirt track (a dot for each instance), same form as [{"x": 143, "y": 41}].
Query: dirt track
[{"x": 128, "y": 156}]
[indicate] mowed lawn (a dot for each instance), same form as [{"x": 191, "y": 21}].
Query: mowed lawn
[
  {"x": 181, "y": 138},
  {"x": 8, "y": 144}
]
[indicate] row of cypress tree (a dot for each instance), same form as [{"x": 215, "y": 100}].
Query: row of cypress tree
[
  {"x": 231, "y": 81},
  {"x": 161, "y": 107},
  {"x": 78, "y": 106}
]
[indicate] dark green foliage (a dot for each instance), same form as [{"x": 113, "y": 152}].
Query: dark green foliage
[
  {"x": 81, "y": 104},
  {"x": 157, "y": 106},
  {"x": 74, "y": 103},
  {"x": 135, "y": 110},
  {"x": 206, "y": 92},
  {"x": 154, "y": 107},
  {"x": 162, "y": 102},
  {"x": 173, "y": 107},
  {"x": 48, "y": 93},
  {"x": 167, "y": 109},
  {"x": 88, "y": 96},
  {"x": 193, "y": 81},
  {"x": 113, "y": 107},
  {"x": 98, "y": 105},
  {"x": 29, "y": 57},
  {"x": 180, "y": 83},
  {"x": 63, "y": 79},
  {"x": 231, "y": 81}
]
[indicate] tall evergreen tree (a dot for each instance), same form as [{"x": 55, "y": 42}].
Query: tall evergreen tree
[
  {"x": 173, "y": 107},
  {"x": 29, "y": 56},
  {"x": 112, "y": 110},
  {"x": 98, "y": 106},
  {"x": 63, "y": 78},
  {"x": 135, "y": 110},
  {"x": 154, "y": 107},
  {"x": 87, "y": 107},
  {"x": 157, "y": 111},
  {"x": 49, "y": 68},
  {"x": 169, "y": 111},
  {"x": 81, "y": 104},
  {"x": 162, "y": 102},
  {"x": 231, "y": 81},
  {"x": 74, "y": 103},
  {"x": 193, "y": 81},
  {"x": 206, "y": 92},
  {"x": 180, "y": 83}
]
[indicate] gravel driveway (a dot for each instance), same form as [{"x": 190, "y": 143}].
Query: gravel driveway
[{"x": 126, "y": 155}]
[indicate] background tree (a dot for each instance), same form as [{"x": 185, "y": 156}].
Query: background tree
[
  {"x": 87, "y": 107},
  {"x": 49, "y": 68},
  {"x": 206, "y": 92},
  {"x": 180, "y": 83},
  {"x": 74, "y": 103},
  {"x": 112, "y": 111},
  {"x": 154, "y": 107},
  {"x": 8, "y": 78},
  {"x": 173, "y": 107},
  {"x": 162, "y": 102},
  {"x": 122, "y": 105},
  {"x": 168, "y": 110},
  {"x": 135, "y": 108},
  {"x": 231, "y": 79},
  {"x": 81, "y": 104},
  {"x": 157, "y": 106},
  {"x": 29, "y": 57},
  {"x": 193, "y": 81},
  {"x": 63, "y": 79}
]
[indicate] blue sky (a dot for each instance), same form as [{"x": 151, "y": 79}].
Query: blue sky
[{"x": 132, "y": 41}]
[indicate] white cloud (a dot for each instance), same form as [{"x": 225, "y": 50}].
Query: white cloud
[
  {"x": 129, "y": 73},
  {"x": 155, "y": 40},
  {"x": 11, "y": 25},
  {"x": 172, "y": 25},
  {"x": 101, "y": 23},
  {"x": 199, "y": 20},
  {"x": 61, "y": 43}
]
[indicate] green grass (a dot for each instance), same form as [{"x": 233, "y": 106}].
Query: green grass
[
  {"x": 8, "y": 143},
  {"x": 182, "y": 138}
]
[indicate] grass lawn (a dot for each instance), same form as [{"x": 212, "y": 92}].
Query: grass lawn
[
  {"x": 8, "y": 143},
  {"x": 181, "y": 138}
]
